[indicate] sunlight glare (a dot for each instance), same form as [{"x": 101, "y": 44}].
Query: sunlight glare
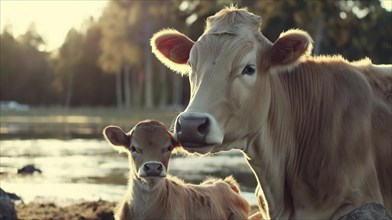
[
  {"x": 52, "y": 19},
  {"x": 387, "y": 4}
]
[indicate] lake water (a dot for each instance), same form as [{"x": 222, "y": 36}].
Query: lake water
[{"x": 89, "y": 169}]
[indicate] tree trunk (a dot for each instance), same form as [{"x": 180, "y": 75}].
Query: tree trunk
[
  {"x": 147, "y": 32},
  {"x": 319, "y": 36},
  {"x": 137, "y": 88},
  {"x": 127, "y": 86},
  {"x": 162, "y": 86},
  {"x": 119, "y": 89},
  {"x": 148, "y": 98},
  {"x": 177, "y": 91},
  {"x": 68, "y": 96}
]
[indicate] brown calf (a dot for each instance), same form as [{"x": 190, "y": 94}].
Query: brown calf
[{"x": 153, "y": 194}]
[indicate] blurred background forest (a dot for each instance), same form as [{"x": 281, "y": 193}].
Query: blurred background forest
[{"x": 108, "y": 62}]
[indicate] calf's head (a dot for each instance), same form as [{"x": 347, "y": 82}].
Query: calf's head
[
  {"x": 149, "y": 146},
  {"x": 230, "y": 68}
]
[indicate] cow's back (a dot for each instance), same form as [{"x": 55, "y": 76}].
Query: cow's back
[{"x": 379, "y": 78}]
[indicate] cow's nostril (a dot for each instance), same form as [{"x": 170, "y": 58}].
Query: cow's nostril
[
  {"x": 204, "y": 127},
  {"x": 146, "y": 167},
  {"x": 160, "y": 167},
  {"x": 178, "y": 127}
]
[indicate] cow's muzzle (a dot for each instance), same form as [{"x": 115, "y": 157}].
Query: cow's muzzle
[{"x": 197, "y": 130}]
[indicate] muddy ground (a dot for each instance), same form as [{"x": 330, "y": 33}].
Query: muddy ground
[
  {"x": 102, "y": 210},
  {"x": 86, "y": 210}
]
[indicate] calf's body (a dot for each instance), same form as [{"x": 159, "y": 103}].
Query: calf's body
[
  {"x": 173, "y": 199},
  {"x": 153, "y": 194}
]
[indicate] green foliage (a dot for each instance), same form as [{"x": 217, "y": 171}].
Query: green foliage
[
  {"x": 354, "y": 29},
  {"x": 79, "y": 79},
  {"x": 26, "y": 75}
]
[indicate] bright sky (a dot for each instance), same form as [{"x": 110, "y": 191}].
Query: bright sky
[
  {"x": 52, "y": 18},
  {"x": 387, "y": 4}
]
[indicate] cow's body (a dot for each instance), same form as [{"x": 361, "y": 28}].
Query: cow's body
[
  {"x": 322, "y": 127},
  {"x": 315, "y": 130}
]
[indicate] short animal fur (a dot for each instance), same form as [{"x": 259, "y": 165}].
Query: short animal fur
[
  {"x": 317, "y": 131},
  {"x": 153, "y": 194}
]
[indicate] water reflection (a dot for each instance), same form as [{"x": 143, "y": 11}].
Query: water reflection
[
  {"x": 90, "y": 169},
  {"x": 56, "y": 131}
]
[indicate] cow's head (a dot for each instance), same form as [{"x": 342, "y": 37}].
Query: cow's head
[{"x": 229, "y": 68}]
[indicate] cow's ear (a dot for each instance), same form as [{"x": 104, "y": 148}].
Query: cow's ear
[
  {"x": 172, "y": 48},
  {"x": 117, "y": 138},
  {"x": 289, "y": 49},
  {"x": 176, "y": 145}
]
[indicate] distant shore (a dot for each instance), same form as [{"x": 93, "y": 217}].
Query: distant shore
[{"x": 73, "y": 123}]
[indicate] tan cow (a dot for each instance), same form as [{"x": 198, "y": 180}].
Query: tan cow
[
  {"x": 317, "y": 131},
  {"x": 153, "y": 194}
]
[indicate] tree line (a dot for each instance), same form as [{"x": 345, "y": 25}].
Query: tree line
[{"x": 109, "y": 62}]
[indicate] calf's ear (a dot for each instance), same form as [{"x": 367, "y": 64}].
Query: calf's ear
[
  {"x": 172, "y": 48},
  {"x": 117, "y": 138},
  {"x": 289, "y": 49},
  {"x": 175, "y": 143}
]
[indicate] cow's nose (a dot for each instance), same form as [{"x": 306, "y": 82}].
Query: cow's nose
[
  {"x": 192, "y": 129},
  {"x": 153, "y": 169}
]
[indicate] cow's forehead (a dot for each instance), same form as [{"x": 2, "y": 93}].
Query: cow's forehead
[
  {"x": 232, "y": 20},
  {"x": 222, "y": 49},
  {"x": 226, "y": 34}
]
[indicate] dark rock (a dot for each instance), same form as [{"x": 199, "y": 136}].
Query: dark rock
[
  {"x": 368, "y": 211},
  {"x": 29, "y": 169},
  {"x": 106, "y": 215},
  {"x": 13, "y": 196},
  {"x": 7, "y": 207}
]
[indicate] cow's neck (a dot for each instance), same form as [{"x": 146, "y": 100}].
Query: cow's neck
[
  {"x": 291, "y": 130},
  {"x": 269, "y": 151}
]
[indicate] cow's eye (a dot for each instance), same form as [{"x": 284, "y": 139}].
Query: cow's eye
[{"x": 249, "y": 69}]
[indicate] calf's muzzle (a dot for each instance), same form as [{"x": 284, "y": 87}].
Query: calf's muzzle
[{"x": 152, "y": 169}]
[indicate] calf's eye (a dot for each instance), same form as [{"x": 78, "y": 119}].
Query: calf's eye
[{"x": 249, "y": 70}]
